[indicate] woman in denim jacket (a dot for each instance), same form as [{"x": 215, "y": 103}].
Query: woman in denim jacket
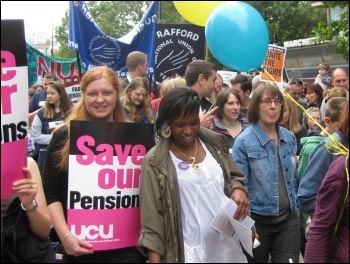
[{"x": 265, "y": 153}]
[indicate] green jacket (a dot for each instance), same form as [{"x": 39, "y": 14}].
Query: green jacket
[
  {"x": 309, "y": 143},
  {"x": 161, "y": 226}
]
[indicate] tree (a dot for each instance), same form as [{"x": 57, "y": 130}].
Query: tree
[
  {"x": 169, "y": 14},
  {"x": 117, "y": 18},
  {"x": 62, "y": 38},
  {"x": 288, "y": 21},
  {"x": 114, "y": 18},
  {"x": 336, "y": 31}
]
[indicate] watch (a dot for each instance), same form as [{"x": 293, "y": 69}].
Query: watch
[{"x": 35, "y": 205}]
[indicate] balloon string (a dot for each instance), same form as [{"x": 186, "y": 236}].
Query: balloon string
[{"x": 334, "y": 144}]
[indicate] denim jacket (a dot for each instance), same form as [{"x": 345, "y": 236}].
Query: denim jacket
[
  {"x": 319, "y": 161},
  {"x": 255, "y": 154}
]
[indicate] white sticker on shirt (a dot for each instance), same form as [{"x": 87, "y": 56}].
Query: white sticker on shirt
[
  {"x": 41, "y": 103},
  {"x": 54, "y": 124}
]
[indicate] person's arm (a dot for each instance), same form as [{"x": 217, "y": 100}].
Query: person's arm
[
  {"x": 72, "y": 244},
  {"x": 32, "y": 115},
  {"x": 239, "y": 194},
  {"x": 152, "y": 235},
  {"x": 30, "y": 191},
  {"x": 37, "y": 135},
  {"x": 242, "y": 171},
  {"x": 320, "y": 159},
  {"x": 326, "y": 214},
  {"x": 55, "y": 182},
  {"x": 318, "y": 80},
  {"x": 153, "y": 257},
  {"x": 207, "y": 118}
]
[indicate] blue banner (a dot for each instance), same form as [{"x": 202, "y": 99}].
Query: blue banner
[{"x": 95, "y": 48}]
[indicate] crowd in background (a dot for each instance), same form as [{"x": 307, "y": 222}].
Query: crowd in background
[{"x": 279, "y": 154}]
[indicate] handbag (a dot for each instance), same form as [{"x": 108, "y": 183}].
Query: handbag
[{"x": 18, "y": 243}]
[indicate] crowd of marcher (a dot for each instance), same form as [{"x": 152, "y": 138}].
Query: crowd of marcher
[{"x": 284, "y": 166}]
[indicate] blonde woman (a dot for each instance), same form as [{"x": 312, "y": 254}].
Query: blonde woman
[
  {"x": 99, "y": 102},
  {"x": 334, "y": 92},
  {"x": 308, "y": 123},
  {"x": 136, "y": 101},
  {"x": 165, "y": 87},
  {"x": 290, "y": 121}
]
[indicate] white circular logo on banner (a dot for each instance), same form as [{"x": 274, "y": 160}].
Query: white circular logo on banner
[{"x": 104, "y": 50}]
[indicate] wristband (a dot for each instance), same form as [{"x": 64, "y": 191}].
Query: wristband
[
  {"x": 67, "y": 235},
  {"x": 234, "y": 187},
  {"x": 35, "y": 205}
]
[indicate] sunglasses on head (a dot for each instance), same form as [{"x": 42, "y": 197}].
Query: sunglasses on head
[{"x": 296, "y": 81}]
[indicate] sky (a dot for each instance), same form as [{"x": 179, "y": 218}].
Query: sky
[{"x": 38, "y": 16}]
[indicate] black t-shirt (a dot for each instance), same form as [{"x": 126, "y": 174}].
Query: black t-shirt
[{"x": 206, "y": 104}]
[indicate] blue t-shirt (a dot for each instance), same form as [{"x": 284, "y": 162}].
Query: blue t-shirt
[{"x": 37, "y": 101}]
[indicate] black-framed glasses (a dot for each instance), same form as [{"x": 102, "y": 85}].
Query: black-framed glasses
[
  {"x": 268, "y": 102},
  {"x": 296, "y": 81}
]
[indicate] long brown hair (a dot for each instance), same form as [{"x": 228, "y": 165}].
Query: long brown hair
[
  {"x": 65, "y": 102},
  {"x": 140, "y": 110},
  {"x": 79, "y": 112},
  {"x": 293, "y": 121}
]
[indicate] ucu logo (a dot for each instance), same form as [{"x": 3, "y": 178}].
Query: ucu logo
[{"x": 92, "y": 232}]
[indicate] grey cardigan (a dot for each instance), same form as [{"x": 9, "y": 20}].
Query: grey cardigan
[{"x": 161, "y": 226}]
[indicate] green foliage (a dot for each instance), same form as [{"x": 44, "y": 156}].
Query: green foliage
[
  {"x": 62, "y": 38},
  {"x": 169, "y": 14},
  {"x": 115, "y": 19},
  {"x": 288, "y": 21},
  {"x": 335, "y": 31}
]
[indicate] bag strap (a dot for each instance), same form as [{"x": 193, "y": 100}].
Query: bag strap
[{"x": 344, "y": 193}]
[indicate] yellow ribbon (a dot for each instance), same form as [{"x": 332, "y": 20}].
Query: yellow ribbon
[{"x": 334, "y": 146}]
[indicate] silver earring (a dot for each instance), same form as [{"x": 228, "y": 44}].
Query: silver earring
[{"x": 166, "y": 132}]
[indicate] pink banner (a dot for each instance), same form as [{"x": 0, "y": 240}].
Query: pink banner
[
  {"x": 14, "y": 104},
  {"x": 106, "y": 229},
  {"x": 13, "y": 154}
]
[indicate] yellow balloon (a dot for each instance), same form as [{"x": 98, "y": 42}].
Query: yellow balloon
[{"x": 196, "y": 12}]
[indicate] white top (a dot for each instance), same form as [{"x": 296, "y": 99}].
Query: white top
[{"x": 201, "y": 194}]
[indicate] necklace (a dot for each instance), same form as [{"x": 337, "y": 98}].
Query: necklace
[{"x": 193, "y": 159}]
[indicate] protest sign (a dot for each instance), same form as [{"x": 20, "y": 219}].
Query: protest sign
[
  {"x": 273, "y": 64},
  {"x": 104, "y": 179},
  {"x": 14, "y": 104}
]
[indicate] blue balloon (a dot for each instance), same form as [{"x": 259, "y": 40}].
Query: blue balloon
[{"x": 237, "y": 36}]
